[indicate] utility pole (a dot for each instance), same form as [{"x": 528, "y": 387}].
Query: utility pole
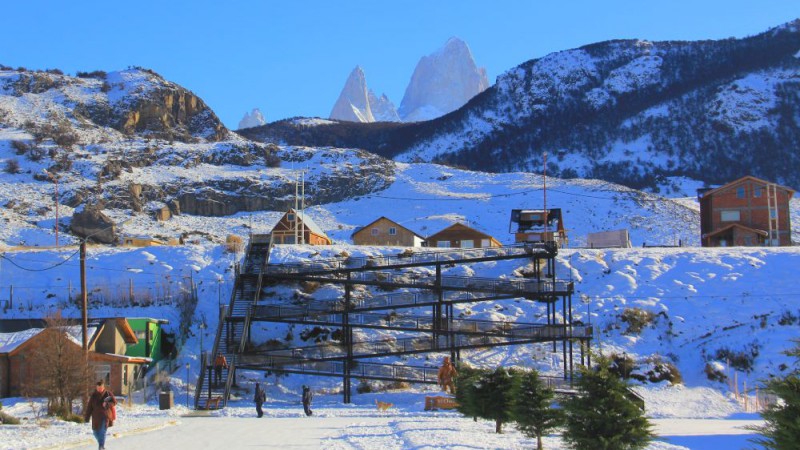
[
  {"x": 544, "y": 191},
  {"x": 84, "y": 299}
]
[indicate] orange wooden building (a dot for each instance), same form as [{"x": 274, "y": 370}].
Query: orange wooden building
[
  {"x": 297, "y": 228},
  {"x": 746, "y": 212},
  {"x": 459, "y": 235}
]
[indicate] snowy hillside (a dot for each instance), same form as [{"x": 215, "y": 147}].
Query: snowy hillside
[{"x": 634, "y": 112}]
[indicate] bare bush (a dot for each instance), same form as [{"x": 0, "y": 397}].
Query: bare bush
[
  {"x": 234, "y": 244},
  {"x": 63, "y": 373},
  {"x": 12, "y": 166}
]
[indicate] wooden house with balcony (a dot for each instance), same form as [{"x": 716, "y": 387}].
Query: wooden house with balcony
[
  {"x": 459, "y": 235},
  {"x": 386, "y": 232},
  {"x": 297, "y": 228},
  {"x": 746, "y": 212},
  {"x": 538, "y": 225}
]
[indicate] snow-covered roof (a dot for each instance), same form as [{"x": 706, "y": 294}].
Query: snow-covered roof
[
  {"x": 10, "y": 341},
  {"x": 310, "y": 223}
]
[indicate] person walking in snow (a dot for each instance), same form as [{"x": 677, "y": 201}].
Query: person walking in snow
[
  {"x": 307, "y": 397},
  {"x": 259, "y": 397},
  {"x": 219, "y": 363},
  {"x": 99, "y": 409}
]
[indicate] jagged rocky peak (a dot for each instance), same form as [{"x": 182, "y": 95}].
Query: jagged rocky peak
[
  {"x": 353, "y": 103},
  {"x": 382, "y": 108},
  {"x": 357, "y": 103},
  {"x": 442, "y": 82},
  {"x": 252, "y": 119}
]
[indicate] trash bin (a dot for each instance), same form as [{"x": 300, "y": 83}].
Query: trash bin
[{"x": 165, "y": 400}]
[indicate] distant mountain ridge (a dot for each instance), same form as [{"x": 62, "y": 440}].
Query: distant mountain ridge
[{"x": 628, "y": 111}]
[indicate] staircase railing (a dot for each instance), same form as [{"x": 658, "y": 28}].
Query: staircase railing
[{"x": 200, "y": 379}]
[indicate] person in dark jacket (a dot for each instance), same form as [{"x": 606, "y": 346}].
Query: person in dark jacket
[
  {"x": 99, "y": 410},
  {"x": 259, "y": 397},
  {"x": 307, "y": 397}
]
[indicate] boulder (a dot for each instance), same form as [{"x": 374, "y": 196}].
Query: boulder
[{"x": 91, "y": 223}]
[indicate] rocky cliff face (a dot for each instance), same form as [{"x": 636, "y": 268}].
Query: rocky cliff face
[{"x": 442, "y": 82}]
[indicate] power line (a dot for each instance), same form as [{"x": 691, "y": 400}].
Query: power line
[{"x": 27, "y": 269}]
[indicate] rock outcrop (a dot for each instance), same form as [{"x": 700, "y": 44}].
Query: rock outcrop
[
  {"x": 442, "y": 82},
  {"x": 90, "y": 222}
]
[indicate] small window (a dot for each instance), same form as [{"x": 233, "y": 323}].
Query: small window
[
  {"x": 392, "y": 231},
  {"x": 485, "y": 243},
  {"x": 375, "y": 231},
  {"x": 748, "y": 240},
  {"x": 757, "y": 192},
  {"x": 443, "y": 244},
  {"x": 730, "y": 216},
  {"x": 773, "y": 213},
  {"x": 467, "y": 243},
  {"x": 290, "y": 217},
  {"x": 140, "y": 334},
  {"x": 740, "y": 192}
]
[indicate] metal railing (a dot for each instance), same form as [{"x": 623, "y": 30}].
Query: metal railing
[{"x": 412, "y": 258}]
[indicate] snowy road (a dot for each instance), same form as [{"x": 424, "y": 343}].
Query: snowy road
[{"x": 390, "y": 432}]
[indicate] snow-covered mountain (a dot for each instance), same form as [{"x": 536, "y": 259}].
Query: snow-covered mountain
[
  {"x": 633, "y": 112},
  {"x": 252, "y": 119},
  {"x": 357, "y": 103},
  {"x": 442, "y": 82}
]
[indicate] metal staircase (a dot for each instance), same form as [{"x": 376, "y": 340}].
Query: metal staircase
[{"x": 232, "y": 330}]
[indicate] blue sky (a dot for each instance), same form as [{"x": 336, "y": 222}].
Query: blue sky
[{"x": 291, "y": 58}]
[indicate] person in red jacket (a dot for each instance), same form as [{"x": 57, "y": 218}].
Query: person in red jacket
[{"x": 99, "y": 409}]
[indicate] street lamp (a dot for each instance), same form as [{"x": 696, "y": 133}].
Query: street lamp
[
  {"x": 187, "y": 384},
  {"x": 202, "y": 327}
]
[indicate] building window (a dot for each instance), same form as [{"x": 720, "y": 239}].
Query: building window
[
  {"x": 740, "y": 192},
  {"x": 374, "y": 231},
  {"x": 748, "y": 240},
  {"x": 757, "y": 192},
  {"x": 467, "y": 243},
  {"x": 290, "y": 217},
  {"x": 392, "y": 231},
  {"x": 443, "y": 244},
  {"x": 730, "y": 216},
  {"x": 140, "y": 334},
  {"x": 484, "y": 243}
]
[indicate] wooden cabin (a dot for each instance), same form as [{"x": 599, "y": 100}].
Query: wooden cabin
[
  {"x": 459, "y": 235},
  {"x": 297, "y": 228},
  {"x": 745, "y": 212},
  {"x": 538, "y": 225},
  {"x": 387, "y": 232},
  {"x": 107, "y": 342}
]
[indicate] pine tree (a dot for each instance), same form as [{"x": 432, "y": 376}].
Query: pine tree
[
  {"x": 782, "y": 420},
  {"x": 602, "y": 416},
  {"x": 465, "y": 390},
  {"x": 532, "y": 407},
  {"x": 493, "y": 397}
]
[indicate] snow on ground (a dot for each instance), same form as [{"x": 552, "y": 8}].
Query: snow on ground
[{"x": 338, "y": 426}]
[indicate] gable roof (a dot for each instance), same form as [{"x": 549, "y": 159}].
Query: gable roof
[
  {"x": 12, "y": 343},
  {"x": 388, "y": 219},
  {"x": 461, "y": 225},
  {"x": 736, "y": 225},
  {"x": 745, "y": 178},
  {"x": 308, "y": 222}
]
